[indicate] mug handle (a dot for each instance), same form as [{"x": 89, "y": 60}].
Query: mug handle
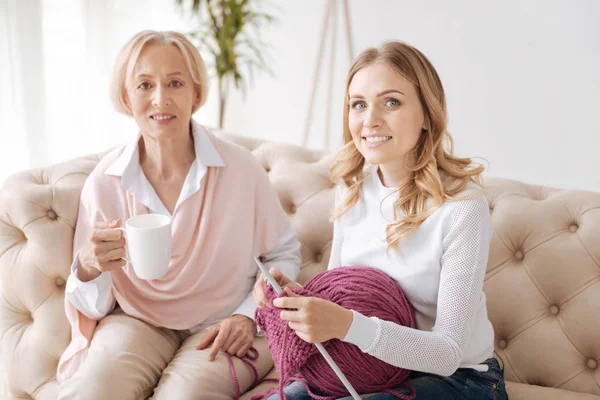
[{"x": 126, "y": 250}]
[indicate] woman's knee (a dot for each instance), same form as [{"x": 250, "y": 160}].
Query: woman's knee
[{"x": 103, "y": 385}]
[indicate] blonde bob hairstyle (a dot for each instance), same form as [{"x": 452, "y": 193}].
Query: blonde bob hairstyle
[
  {"x": 435, "y": 174},
  {"x": 130, "y": 52}
]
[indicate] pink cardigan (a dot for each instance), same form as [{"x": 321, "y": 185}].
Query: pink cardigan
[{"x": 234, "y": 216}]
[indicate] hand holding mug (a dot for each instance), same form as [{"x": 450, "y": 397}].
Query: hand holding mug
[
  {"x": 145, "y": 243},
  {"x": 103, "y": 252}
]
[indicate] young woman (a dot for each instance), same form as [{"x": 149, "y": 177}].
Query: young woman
[{"x": 407, "y": 206}]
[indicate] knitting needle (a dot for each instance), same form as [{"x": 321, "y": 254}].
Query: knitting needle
[{"x": 324, "y": 352}]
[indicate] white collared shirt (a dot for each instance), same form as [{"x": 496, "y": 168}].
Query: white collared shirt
[{"x": 95, "y": 298}]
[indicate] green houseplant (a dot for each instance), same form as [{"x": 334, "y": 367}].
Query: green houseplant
[{"x": 229, "y": 31}]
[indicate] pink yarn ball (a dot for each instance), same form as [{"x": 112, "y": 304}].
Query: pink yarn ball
[{"x": 366, "y": 290}]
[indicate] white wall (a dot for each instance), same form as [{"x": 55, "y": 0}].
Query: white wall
[{"x": 521, "y": 79}]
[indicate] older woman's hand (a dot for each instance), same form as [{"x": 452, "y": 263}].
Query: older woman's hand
[
  {"x": 259, "y": 287},
  {"x": 233, "y": 335},
  {"x": 103, "y": 252}
]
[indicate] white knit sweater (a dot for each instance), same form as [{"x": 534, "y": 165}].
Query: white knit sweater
[{"x": 440, "y": 267}]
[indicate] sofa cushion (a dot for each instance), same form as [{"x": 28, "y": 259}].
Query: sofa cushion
[
  {"x": 543, "y": 284},
  {"x": 522, "y": 391}
]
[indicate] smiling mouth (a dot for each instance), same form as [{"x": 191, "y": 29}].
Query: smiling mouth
[
  {"x": 377, "y": 139},
  {"x": 162, "y": 117}
]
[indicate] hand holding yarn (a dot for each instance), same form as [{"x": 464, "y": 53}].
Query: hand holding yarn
[
  {"x": 313, "y": 319},
  {"x": 259, "y": 287},
  {"x": 314, "y": 306}
]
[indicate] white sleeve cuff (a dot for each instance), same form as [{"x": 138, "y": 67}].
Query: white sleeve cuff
[
  {"x": 247, "y": 308},
  {"x": 94, "y": 298},
  {"x": 363, "y": 331},
  {"x": 286, "y": 255}
]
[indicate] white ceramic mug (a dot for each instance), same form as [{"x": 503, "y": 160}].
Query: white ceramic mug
[{"x": 148, "y": 244}]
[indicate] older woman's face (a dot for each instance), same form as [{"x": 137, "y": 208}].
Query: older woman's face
[{"x": 161, "y": 92}]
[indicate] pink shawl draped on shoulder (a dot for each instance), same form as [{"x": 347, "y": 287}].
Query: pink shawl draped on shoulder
[{"x": 233, "y": 217}]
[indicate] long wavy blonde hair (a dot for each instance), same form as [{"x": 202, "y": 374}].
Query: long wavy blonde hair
[{"x": 435, "y": 173}]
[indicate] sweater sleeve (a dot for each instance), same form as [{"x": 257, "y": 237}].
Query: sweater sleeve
[
  {"x": 463, "y": 266},
  {"x": 285, "y": 256},
  {"x": 95, "y": 298}
]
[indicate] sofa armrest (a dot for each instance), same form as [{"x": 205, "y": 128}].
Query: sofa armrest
[{"x": 38, "y": 213}]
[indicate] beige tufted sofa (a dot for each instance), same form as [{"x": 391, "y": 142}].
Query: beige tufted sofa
[{"x": 543, "y": 280}]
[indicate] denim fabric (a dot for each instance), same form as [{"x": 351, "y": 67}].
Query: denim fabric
[{"x": 464, "y": 384}]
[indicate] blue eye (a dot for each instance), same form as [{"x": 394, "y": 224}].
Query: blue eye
[
  {"x": 144, "y": 86},
  {"x": 358, "y": 105},
  {"x": 392, "y": 103}
]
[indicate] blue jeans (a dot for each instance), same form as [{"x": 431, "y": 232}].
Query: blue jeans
[{"x": 464, "y": 384}]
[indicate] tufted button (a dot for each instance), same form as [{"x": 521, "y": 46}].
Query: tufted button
[
  {"x": 554, "y": 310},
  {"x": 592, "y": 364},
  {"x": 51, "y": 214},
  {"x": 502, "y": 344},
  {"x": 519, "y": 255},
  {"x": 318, "y": 257},
  {"x": 59, "y": 281},
  {"x": 293, "y": 209},
  {"x": 573, "y": 228}
]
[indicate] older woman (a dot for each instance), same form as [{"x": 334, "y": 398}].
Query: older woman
[{"x": 169, "y": 336}]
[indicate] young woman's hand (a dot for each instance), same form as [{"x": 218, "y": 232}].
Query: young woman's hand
[
  {"x": 233, "y": 335},
  {"x": 314, "y": 320},
  {"x": 259, "y": 293}
]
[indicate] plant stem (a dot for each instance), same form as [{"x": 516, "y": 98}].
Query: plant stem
[{"x": 222, "y": 100}]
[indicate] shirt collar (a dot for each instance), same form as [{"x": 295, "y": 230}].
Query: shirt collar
[{"x": 128, "y": 162}]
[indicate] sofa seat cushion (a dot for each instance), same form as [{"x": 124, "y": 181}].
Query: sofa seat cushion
[{"x": 523, "y": 391}]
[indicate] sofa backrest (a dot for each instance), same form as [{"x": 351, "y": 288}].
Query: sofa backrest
[{"x": 542, "y": 284}]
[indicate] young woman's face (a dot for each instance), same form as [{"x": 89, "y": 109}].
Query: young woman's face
[
  {"x": 385, "y": 117},
  {"x": 161, "y": 92}
]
